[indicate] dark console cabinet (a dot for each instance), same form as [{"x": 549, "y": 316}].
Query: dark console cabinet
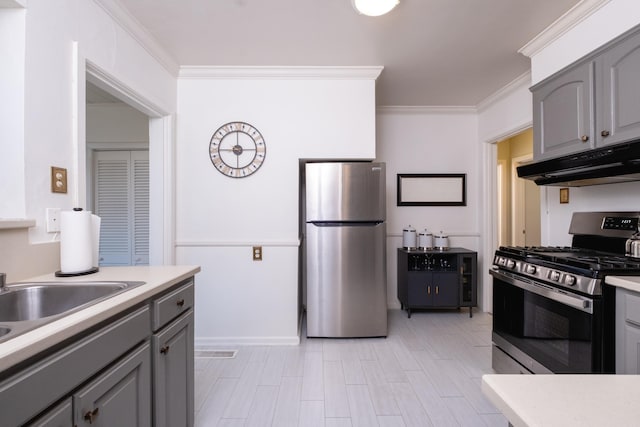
[{"x": 437, "y": 279}]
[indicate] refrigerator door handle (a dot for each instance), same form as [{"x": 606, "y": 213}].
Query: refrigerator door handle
[{"x": 345, "y": 224}]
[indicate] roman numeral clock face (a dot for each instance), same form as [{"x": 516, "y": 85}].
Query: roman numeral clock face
[{"x": 237, "y": 149}]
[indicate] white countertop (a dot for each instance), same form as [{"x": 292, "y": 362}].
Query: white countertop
[
  {"x": 566, "y": 400},
  {"x": 631, "y": 283},
  {"x": 157, "y": 278}
]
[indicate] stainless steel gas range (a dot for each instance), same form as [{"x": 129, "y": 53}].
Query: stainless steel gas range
[{"x": 552, "y": 312}]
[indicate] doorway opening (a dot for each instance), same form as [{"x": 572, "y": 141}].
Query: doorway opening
[
  {"x": 518, "y": 199},
  {"x": 117, "y": 138}
]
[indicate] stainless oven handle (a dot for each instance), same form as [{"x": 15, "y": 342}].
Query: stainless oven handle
[{"x": 580, "y": 303}]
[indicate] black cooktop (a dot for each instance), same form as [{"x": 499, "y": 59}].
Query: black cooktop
[{"x": 584, "y": 261}]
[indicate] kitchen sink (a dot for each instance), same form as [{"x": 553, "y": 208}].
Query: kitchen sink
[{"x": 26, "y": 306}]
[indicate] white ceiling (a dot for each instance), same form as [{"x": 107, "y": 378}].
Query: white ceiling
[{"x": 434, "y": 52}]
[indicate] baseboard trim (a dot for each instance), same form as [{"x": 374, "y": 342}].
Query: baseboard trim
[{"x": 202, "y": 344}]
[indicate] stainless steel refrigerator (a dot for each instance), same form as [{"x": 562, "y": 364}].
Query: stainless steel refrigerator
[{"x": 345, "y": 245}]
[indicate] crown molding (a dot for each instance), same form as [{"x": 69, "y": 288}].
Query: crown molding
[
  {"x": 425, "y": 109},
  {"x": 503, "y": 92},
  {"x": 560, "y": 26},
  {"x": 135, "y": 29},
  {"x": 276, "y": 72}
]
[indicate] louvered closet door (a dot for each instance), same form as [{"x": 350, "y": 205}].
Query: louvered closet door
[{"x": 122, "y": 202}]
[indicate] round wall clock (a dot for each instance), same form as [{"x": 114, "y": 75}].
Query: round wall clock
[{"x": 237, "y": 149}]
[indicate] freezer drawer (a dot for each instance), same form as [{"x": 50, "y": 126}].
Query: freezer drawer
[
  {"x": 345, "y": 192},
  {"x": 346, "y": 280}
]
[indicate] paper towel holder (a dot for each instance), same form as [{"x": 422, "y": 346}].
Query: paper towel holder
[{"x": 59, "y": 273}]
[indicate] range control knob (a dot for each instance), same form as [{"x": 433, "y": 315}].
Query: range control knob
[
  {"x": 530, "y": 269},
  {"x": 570, "y": 280},
  {"x": 554, "y": 275},
  {"x": 511, "y": 263}
]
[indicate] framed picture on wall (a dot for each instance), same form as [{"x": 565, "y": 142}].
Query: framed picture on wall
[{"x": 432, "y": 189}]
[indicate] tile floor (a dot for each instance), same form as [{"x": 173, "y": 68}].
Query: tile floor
[{"x": 425, "y": 373}]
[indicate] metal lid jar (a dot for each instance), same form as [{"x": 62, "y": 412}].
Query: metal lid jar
[
  {"x": 425, "y": 240},
  {"x": 441, "y": 242},
  {"x": 409, "y": 238}
]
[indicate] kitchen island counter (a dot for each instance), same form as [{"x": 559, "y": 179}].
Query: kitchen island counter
[
  {"x": 565, "y": 400},
  {"x": 156, "y": 278}
]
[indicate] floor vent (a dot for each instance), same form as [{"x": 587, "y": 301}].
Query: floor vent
[{"x": 216, "y": 354}]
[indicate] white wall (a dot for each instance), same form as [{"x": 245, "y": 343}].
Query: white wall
[
  {"x": 50, "y": 120},
  {"x": 429, "y": 141},
  {"x": 218, "y": 218},
  {"x": 12, "y": 52}
]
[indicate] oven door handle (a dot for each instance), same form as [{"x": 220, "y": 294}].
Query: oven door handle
[{"x": 583, "y": 304}]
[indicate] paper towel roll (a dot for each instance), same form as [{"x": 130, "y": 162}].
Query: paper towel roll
[
  {"x": 95, "y": 229},
  {"x": 76, "y": 241}
]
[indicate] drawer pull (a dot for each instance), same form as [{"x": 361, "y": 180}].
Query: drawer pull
[
  {"x": 605, "y": 133},
  {"x": 180, "y": 302},
  {"x": 91, "y": 415},
  {"x": 584, "y": 138},
  {"x": 164, "y": 350}
]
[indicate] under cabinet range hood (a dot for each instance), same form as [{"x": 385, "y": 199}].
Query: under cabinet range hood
[{"x": 608, "y": 165}]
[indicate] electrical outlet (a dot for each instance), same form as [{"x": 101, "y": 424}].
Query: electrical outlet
[
  {"x": 58, "y": 180},
  {"x": 257, "y": 253},
  {"x": 53, "y": 220}
]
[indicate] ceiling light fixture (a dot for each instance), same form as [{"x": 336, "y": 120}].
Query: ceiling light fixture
[{"x": 374, "y": 7}]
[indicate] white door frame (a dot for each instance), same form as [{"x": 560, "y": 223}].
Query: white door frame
[
  {"x": 489, "y": 160},
  {"x": 161, "y": 161},
  {"x": 517, "y": 202}
]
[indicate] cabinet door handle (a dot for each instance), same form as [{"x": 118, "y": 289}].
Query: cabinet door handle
[
  {"x": 164, "y": 350},
  {"x": 91, "y": 415},
  {"x": 180, "y": 302},
  {"x": 428, "y": 290},
  {"x": 584, "y": 138},
  {"x": 605, "y": 133},
  {"x": 437, "y": 290}
]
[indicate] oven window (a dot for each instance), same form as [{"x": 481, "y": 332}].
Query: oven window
[{"x": 556, "y": 335}]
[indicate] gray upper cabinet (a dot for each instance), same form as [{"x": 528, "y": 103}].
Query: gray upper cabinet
[
  {"x": 593, "y": 103},
  {"x": 618, "y": 93},
  {"x": 562, "y": 113}
]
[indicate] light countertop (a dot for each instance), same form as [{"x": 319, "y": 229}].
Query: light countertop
[
  {"x": 565, "y": 400},
  {"x": 631, "y": 283},
  {"x": 156, "y": 278}
]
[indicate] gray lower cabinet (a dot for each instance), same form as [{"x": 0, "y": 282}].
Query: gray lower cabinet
[
  {"x": 173, "y": 373},
  {"x": 118, "y": 397},
  {"x": 627, "y": 332},
  {"x": 137, "y": 370},
  {"x": 60, "y": 416},
  {"x": 593, "y": 103},
  {"x": 172, "y": 343}
]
